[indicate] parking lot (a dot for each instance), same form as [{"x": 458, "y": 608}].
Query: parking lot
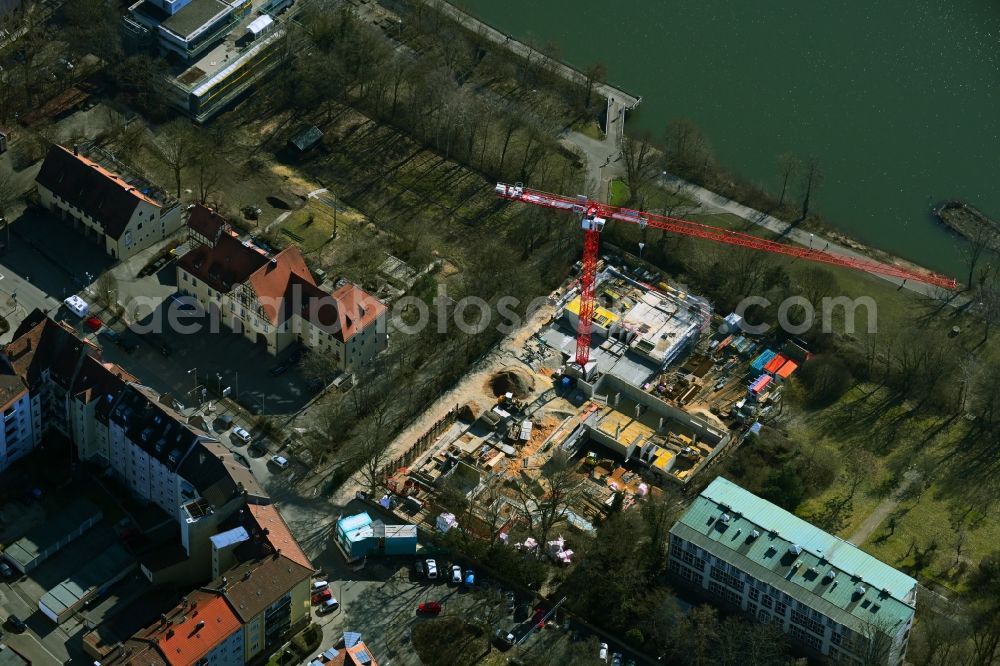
[
  {"x": 194, "y": 363},
  {"x": 49, "y": 254},
  {"x": 380, "y": 601}
]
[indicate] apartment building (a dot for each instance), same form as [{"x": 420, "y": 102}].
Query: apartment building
[
  {"x": 16, "y": 429},
  {"x": 273, "y": 299},
  {"x": 54, "y": 380},
  {"x": 45, "y": 357},
  {"x": 833, "y": 599},
  {"x": 124, "y": 217}
]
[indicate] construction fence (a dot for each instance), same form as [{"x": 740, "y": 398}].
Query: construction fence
[{"x": 423, "y": 442}]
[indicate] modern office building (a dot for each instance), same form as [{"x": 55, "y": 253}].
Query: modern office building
[
  {"x": 833, "y": 599},
  {"x": 220, "y": 48}
]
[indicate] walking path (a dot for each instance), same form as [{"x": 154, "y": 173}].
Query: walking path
[
  {"x": 882, "y": 511},
  {"x": 604, "y": 164},
  {"x": 620, "y": 97}
]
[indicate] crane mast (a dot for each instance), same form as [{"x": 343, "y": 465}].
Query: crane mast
[{"x": 594, "y": 215}]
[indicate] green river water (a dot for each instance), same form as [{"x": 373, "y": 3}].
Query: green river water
[{"x": 897, "y": 99}]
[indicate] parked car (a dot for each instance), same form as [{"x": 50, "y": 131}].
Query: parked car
[
  {"x": 328, "y": 606},
  {"x": 456, "y": 574},
  {"x": 509, "y": 601},
  {"x": 127, "y": 343},
  {"x": 6, "y": 570},
  {"x": 16, "y": 624},
  {"x": 319, "y": 586},
  {"x": 504, "y": 639},
  {"x": 602, "y": 653},
  {"x": 470, "y": 578},
  {"x": 297, "y": 355},
  {"x": 419, "y": 566},
  {"x": 321, "y": 596},
  {"x": 108, "y": 333},
  {"x": 278, "y": 369},
  {"x": 429, "y": 607},
  {"x": 616, "y": 659},
  {"x": 93, "y": 323},
  {"x": 280, "y": 461},
  {"x": 432, "y": 569},
  {"x": 241, "y": 434}
]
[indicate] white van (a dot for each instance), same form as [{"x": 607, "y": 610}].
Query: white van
[{"x": 77, "y": 306}]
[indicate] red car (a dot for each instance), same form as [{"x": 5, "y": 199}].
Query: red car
[
  {"x": 94, "y": 324},
  {"x": 429, "y": 608},
  {"x": 322, "y": 596}
]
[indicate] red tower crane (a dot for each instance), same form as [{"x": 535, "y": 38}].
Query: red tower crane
[{"x": 594, "y": 215}]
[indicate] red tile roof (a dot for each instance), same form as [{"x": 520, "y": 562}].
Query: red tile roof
[
  {"x": 357, "y": 309},
  {"x": 283, "y": 283},
  {"x": 84, "y": 184},
  {"x": 273, "y": 281},
  {"x": 278, "y": 534},
  {"x": 194, "y": 628}
]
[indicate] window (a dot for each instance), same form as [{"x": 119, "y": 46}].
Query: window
[
  {"x": 780, "y": 607},
  {"x": 804, "y": 621},
  {"x": 754, "y": 594}
]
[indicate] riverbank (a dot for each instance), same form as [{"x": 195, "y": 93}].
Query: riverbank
[{"x": 970, "y": 223}]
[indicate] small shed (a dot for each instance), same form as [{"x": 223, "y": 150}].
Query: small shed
[{"x": 306, "y": 138}]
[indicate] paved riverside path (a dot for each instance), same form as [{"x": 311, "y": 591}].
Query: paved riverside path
[
  {"x": 621, "y": 99},
  {"x": 789, "y": 233}
]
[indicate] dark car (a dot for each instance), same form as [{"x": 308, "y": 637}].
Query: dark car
[
  {"x": 297, "y": 355},
  {"x": 279, "y": 369},
  {"x": 127, "y": 343},
  {"x": 503, "y": 639},
  {"x": 16, "y": 624}
]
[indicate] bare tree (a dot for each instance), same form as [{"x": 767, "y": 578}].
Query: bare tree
[
  {"x": 545, "y": 505},
  {"x": 106, "y": 290},
  {"x": 174, "y": 148},
  {"x": 596, "y": 73},
  {"x": 640, "y": 164},
  {"x": 374, "y": 453},
  {"x": 875, "y": 642},
  {"x": 977, "y": 246},
  {"x": 788, "y": 168},
  {"x": 812, "y": 177}
]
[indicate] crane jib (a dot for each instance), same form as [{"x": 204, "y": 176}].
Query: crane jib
[{"x": 594, "y": 209}]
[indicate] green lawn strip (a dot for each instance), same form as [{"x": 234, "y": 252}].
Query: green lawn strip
[{"x": 619, "y": 193}]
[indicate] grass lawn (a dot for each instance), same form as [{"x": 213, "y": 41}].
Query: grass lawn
[
  {"x": 311, "y": 227},
  {"x": 589, "y": 128},
  {"x": 619, "y": 193},
  {"x": 941, "y": 527}
]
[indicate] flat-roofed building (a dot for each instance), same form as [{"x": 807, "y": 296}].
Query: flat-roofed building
[
  {"x": 830, "y": 597},
  {"x": 220, "y": 48}
]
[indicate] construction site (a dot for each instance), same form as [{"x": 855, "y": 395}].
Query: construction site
[
  {"x": 621, "y": 386},
  {"x": 621, "y": 441}
]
